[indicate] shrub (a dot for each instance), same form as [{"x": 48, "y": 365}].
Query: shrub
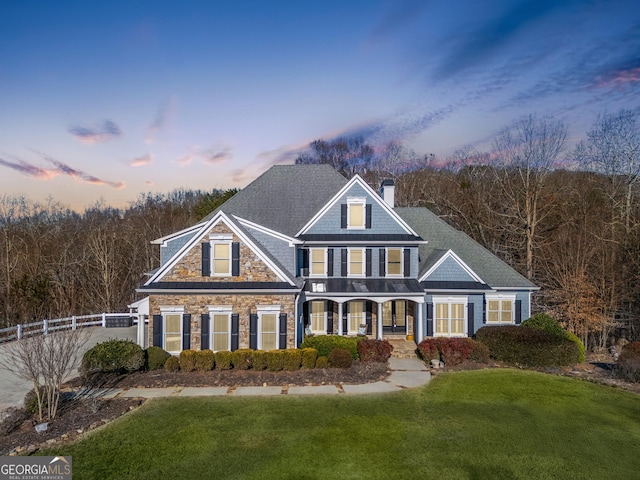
[
  {"x": 480, "y": 352},
  {"x": 428, "y": 349},
  {"x": 156, "y": 358},
  {"x": 372, "y": 350},
  {"x": 259, "y": 359},
  {"x": 309, "y": 356},
  {"x": 114, "y": 356},
  {"x": 205, "y": 360},
  {"x": 451, "y": 350},
  {"x": 292, "y": 359},
  {"x": 275, "y": 360},
  {"x": 542, "y": 321},
  {"x": 528, "y": 346},
  {"x": 628, "y": 366},
  {"x": 31, "y": 401},
  {"x": 322, "y": 362},
  {"x": 172, "y": 364},
  {"x": 187, "y": 360},
  {"x": 241, "y": 359},
  {"x": 324, "y": 344},
  {"x": 340, "y": 358},
  {"x": 224, "y": 360}
]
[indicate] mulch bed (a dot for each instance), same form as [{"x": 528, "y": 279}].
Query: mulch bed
[{"x": 18, "y": 435}]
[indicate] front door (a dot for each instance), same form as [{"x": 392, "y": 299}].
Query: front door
[{"x": 394, "y": 317}]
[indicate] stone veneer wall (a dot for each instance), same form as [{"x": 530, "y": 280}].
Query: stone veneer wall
[
  {"x": 189, "y": 268},
  {"x": 244, "y": 305}
]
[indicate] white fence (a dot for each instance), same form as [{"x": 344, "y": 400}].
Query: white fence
[{"x": 45, "y": 326}]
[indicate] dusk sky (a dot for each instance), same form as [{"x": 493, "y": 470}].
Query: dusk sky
[{"x": 104, "y": 100}]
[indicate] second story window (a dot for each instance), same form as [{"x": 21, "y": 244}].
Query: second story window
[
  {"x": 318, "y": 262},
  {"x": 221, "y": 259},
  {"x": 356, "y": 214},
  {"x": 356, "y": 262},
  {"x": 394, "y": 262}
]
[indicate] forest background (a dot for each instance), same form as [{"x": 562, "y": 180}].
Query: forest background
[{"x": 566, "y": 218}]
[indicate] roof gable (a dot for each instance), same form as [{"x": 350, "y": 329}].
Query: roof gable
[{"x": 449, "y": 267}]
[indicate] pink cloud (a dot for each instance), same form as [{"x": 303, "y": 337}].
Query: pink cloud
[{"x": 141, "y": 161}]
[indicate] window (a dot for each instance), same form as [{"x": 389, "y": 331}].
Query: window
[
  {"x": 220, "y": 335},
  {"x": 318, "y": 318},
  {"x": 356, "y": 316},
  {"x": 356, "y": 212},
  {"x": 318, "y": 262},
  {"x": 356, "y": 262},
  {"x": 221, "y": 259},
  {"x": 450, "y": 316},
  {"x": 500, "y": 309},
  {"x": 394, "y": 262},
  {"x": 172, "y": 328},
  {"x": 268, "y": 331}
]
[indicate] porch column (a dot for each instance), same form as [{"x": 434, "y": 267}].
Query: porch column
[
  {"x": 340, "y": 332},
  {"x": 379, "y": 321},
  {"x": 419, "y": 332},
  {"x": 140, "y": 332}
]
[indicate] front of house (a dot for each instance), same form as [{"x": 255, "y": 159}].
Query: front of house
[{"x": 302, "y": 250}]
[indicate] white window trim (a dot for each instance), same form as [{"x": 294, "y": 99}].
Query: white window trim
[
  {"x": 363, "y": 316},
  {"x": 501, "y": 297},
  {"x": 324, "y": 272},
  {"x": 164, "y": 310},
  {"x": 324, "y": 330},
  {"x": 220, "y": 310},
  {"x": 364, "y": 263},
  {"x": 268, "y": 309},
  {"x": 357, "y": 201},
  {"x": 387, "y": 274},
  {"x": 448, "y": 301}
]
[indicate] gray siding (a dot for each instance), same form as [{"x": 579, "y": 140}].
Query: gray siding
[
  {"x": 450, "y": 270},
  {"x": 478, "y": 311},
  {"x": 279, "y": 249},
  {"x": 172, "y": 247},
  {"x": 381, "y": 221},
  {"x": 375, "y": 261}
]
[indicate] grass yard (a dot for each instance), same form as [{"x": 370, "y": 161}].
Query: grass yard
[{"x": 488, "y": 424}]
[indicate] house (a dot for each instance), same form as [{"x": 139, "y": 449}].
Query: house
[{"x": 302, "y": 250}]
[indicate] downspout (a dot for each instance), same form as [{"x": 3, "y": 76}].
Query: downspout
[{"x": 296, "y": 320}]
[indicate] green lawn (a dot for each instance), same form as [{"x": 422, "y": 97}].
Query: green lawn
[{"x": 474, "y": 425}]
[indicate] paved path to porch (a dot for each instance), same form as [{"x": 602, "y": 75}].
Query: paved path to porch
[{"x": 405, "y": 373}]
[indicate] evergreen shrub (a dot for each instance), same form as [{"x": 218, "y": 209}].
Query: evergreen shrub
[
  {"x": 224, "y": 360},
  {"x": 275, "y": 360},
  {"x": 542, "y": 321},
  {"x": 324, "y": 344},
  {"x": 156, "y": 357},
  {"x": 187, "y": 360},
  {"x": 309, "y": 356},
  {"x": 322, "y": 362},
  {"x": 172, "y": 364},
  {"x": 292, "y": 359},
  {"x": 114, "y": 356},
  {"x": 340, "y": 358},
  {"x": 259, "y": 359},
  {"x": 241, "y": 359},
  {"x": 205, "y": 360},
  {"x": 628, "y": 366}
]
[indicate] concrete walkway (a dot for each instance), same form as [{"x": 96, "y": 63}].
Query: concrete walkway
[{"x": 405, "y": 373}]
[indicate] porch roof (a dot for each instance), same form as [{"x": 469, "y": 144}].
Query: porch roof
[
  {"x": 218, "y": 287},
  {"x": 364, "y": 286}
]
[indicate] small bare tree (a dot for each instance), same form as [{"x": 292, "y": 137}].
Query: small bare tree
[{"x": 46, "y": 361}]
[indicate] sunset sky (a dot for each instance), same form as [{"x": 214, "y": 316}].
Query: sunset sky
[{"x": 104, "y": 100}]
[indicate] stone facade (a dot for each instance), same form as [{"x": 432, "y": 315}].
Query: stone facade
[
  {"x": 244, "y": 305},
  {"x": 189, "y": 267}
]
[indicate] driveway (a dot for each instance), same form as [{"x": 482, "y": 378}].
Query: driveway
[{"x": 13, "y": 389}]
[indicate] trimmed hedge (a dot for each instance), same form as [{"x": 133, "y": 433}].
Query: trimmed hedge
[
  {"x": 309, "y": 357},
  {"x": 528, "y": 346},
  {"x": 628, "y": 366},
  {"x": 114, "y": 356},
  {"x": 373, "y": 350},
  {"x": 187, "y": 360},
  {"x": 452, "y": 350},
  {"x": 172, "y": 364},
  {"x": 275, "y": 360},
  {"x": 241, "y": 359},
  {"x": 428, "y": 349},
  {"x": 156, "y": 357},
  {"x": 292, "y": 359},
  {"x": 340, "y": 358},
  {"x": 322, "y": 362},
  {"x": 259, "y": 360},
  {"x": 224, "y": 360},
  {"x": 324, "y": 344},
  {"x": 542, "y": 321},
  {"x": 205, "y": 360}
]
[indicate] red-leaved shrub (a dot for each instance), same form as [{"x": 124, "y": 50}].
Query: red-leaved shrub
[
  {"x": 451, "y": 350},
  {"x": 628, "y": 366},
  {"x": 373, "y": 350}
]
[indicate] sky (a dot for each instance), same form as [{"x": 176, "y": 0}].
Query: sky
[{"x": 102, "y": 101}]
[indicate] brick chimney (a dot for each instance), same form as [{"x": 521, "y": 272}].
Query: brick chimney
[{"x": 387, "y": 191}]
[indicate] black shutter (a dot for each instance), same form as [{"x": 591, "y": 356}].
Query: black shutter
[
  {"x": 206, "y": 259},
  {"x": 157, "y": 331},
  {"x": 343, "y": 215},
  {"x": 204, "y": 331},
  {"x": 305, "y": 262},
  {"x": 367, "y": 217},
  {"x": 470, "y": 319},
  {"x": 484, "y": 311},
  {"x": 429, "y": 319},
  {"x": 518, "y": 312},
  {"x": 235, "y": 327},
  {"x": 186, "y": 331},
  {"x": 343, "y": 262},
  {"x": 369, "y": 317},
  {"x": 253, "y": 331},
  {"x": 330, "y": 262},
  {"x": 235, "y": 259},
  {"x": 368, "y": 256},
  {"x": 329, "y": 317},
  {"x": 283, "y": 331},
  {"x": 407, "y": 262},
  {"x": 382, "y": 266},
  {"x": 345, "y": 319}
]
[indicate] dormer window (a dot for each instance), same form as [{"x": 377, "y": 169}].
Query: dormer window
[{"x": 356, "y": 214}]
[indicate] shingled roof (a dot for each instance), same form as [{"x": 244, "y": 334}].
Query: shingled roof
[
  {"x": 285, "y": 197},
  {"x": 442, "y": 237}
]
